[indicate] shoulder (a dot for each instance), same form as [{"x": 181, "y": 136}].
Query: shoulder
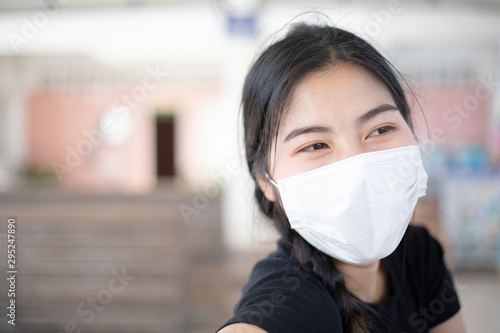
[
  {"x": 419, "y": 255},
  {"x": 416, "y": 233},
  {"x": 282, "y": 297},
  {"x": 427, "y": 281},
  {"x": 422, "y": 252}
]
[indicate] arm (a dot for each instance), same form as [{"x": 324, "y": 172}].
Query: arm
[
  {"x": 453, "y": 325},
  {"x": 242, "y": 328}
]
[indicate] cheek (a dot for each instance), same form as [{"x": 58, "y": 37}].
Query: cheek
[
  {"x": 279, "y": 165},
  {"x": 405, "y": 137},
  {"x": 282, "y": 167},
  {"x": 285, "y": 165}
]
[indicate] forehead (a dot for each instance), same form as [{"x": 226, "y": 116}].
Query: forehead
[{"x": 339, "y": 92}]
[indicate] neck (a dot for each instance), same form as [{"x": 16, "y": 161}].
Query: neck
[{"x": 368, "y": 282}]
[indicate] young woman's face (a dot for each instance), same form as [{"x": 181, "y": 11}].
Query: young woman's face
[{"x": 335, "y": 114}]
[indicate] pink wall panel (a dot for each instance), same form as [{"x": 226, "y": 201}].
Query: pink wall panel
[
  {"x": 57, "y": 142},
  {"x": 456, "y": 116}
]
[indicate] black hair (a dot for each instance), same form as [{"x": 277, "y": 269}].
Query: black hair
[{"x": 268, "y": 88}]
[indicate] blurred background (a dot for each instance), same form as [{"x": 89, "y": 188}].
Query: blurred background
[{"x": 121, "y": 159}]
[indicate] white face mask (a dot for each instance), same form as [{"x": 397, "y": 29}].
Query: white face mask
[{"x": 356, "y": 210}]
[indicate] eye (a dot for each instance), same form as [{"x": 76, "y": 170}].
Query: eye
[
  {"x": 316, "y": 146},
  {"x": 381, "y": 130}
]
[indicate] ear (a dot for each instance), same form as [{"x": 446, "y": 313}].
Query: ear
[{"x": 266, "y": 187}]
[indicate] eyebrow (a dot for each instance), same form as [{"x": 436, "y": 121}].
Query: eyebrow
[
  {"x": 374, "y": 112},
  {"x": 307, "y": 129},
  {"x": 323, "y": 129}
]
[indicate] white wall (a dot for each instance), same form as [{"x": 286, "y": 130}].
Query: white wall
[{"x": 12, "y": 122}]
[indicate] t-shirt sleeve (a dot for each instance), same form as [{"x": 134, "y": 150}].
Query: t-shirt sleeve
[
  {"x": 441, "y": 299},
  {"x": 286, "y": 301}
]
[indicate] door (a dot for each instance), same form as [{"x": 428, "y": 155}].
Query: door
[{"x": 165, "y": 127}]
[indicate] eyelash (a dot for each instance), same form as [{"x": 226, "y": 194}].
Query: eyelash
[
  {"x": 324, "y": 145},
  {"x": 315, "y": 144},
  {"x": 388, "y": 129}
]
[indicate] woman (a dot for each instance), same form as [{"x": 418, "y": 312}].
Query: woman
[{"x": 329, "y": 143}]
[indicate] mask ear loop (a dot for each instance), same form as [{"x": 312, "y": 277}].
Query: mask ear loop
[
  {"x": 271, "y": 180},
  {"x": 278, "y": 196},
  {"x": 276, "y": 185}
]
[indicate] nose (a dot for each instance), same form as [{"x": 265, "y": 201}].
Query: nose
[{"x": 350, "y": 150}]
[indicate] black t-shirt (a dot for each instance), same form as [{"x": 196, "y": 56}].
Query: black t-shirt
[{"x": 280, "y": 297}]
